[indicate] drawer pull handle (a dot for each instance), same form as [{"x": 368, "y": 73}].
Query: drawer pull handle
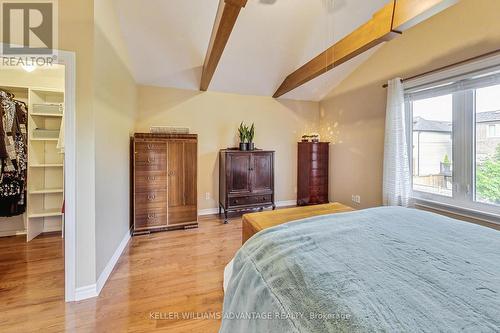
[
  {"x": 151, "y": 216},
  {"x": 236, "y": 201},
  {"x": 151, "y": 197},
  {"x": 263, "y": 198},
  {"x": 150, "y": 146},
  {"x": 151, "y": 160},
  {"x": 151, "y": 178}
]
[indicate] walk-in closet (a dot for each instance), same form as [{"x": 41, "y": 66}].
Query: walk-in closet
[{"x": 32, "y": 151}]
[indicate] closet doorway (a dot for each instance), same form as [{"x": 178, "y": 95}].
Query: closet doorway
[{"x": 37, "y": 180}]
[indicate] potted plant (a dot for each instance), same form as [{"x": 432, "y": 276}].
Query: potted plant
[
  {"x": 446, "y": 166},
  {"x": 314, "y": 137},
  {"x": 250, "y": 136},
  {"x": 243, "y": 132}
]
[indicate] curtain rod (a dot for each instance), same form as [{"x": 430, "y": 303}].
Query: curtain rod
[{"x": 485, "y": 55}]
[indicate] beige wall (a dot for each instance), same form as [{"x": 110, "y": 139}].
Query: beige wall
[
  {"x": 354, "y": 113},
  {"x": 76, "y": 33},
  {"x": 45, "y": 77},
  {"x": 115, "y": 104},
  {"x": 215, "y": 117}
]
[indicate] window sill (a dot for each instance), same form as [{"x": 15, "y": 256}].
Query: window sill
[{"x": 467, "y": 213}]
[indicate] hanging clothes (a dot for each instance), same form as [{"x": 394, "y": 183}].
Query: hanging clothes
[{"x": 13, "y": 155}]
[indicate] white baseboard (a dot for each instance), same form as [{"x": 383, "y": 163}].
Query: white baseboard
[
  {"x": 8, "y": 233},
  {"x": 103, "y": 277},
  {"x": 212, "y": 211},
  {"x": 94, "y": 290},
  {"x": 208, "y": 211},
  {"x": 286, "y": 203},
  {"x": 85, "y": 292}
]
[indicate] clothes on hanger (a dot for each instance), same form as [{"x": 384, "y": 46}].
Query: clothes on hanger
[{"x": 13, "y": 155}]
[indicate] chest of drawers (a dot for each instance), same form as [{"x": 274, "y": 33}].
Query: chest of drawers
[{"x": 163, "y": 171}]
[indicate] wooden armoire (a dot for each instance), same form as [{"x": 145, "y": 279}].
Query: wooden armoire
[
  {"x": 312, "y": 173},
  {"x": 246, "y": 180},
  {"x": 164, "y": 187}
]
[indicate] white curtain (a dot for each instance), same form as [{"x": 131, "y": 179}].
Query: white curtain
[{"x": 396, "y": 183}]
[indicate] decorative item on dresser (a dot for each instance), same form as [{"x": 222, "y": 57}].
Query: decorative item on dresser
[
  {"x": 312, "y": 173},
  {"x": 246, "y": 180},
  {"x": 164, "y": 171}
]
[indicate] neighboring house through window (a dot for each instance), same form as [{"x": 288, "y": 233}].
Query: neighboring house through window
[
  {"x": 432, "y": 153},
  {"x": 488, "y": 133}
]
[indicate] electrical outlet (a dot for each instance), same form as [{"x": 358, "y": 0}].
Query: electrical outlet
[
  {"x": 356, "y": 199},
  {"x": 207, "y": 195}
]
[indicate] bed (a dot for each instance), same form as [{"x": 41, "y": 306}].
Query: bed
[
  {"x": 383, "y": 269},
  {"x": 255, "y": 222}
]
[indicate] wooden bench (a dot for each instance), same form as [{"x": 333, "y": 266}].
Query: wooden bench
[{"x": 255, "y": 222}]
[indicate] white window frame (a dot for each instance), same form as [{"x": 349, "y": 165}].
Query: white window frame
[
  {"x": 496, "y": 131},
  {"x": 461, "y": 82}
]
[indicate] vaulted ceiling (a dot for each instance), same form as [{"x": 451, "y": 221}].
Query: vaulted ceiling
[{"x": 168, "y": 40}]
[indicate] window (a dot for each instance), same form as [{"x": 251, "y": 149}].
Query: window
[
  {"x": 432, "y": 145},
  {"x": 494, "y": 131},
  {"x": 487, "y": 147},
  {"x": 455, "y": 142}
]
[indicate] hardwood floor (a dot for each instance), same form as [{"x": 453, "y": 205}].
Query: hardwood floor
[
  {"x": 161, "y": 274},
  {"x": 158, "y": 275}
]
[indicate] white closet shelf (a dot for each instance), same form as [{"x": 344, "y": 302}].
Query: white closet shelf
[
  {"x": 46, "y": 165},
  {"x": 45, "y": 213},
  {"x": 46, "y": 191},
  {"x": 46, "y": 114},
  {"x": 44, "y": 139}
]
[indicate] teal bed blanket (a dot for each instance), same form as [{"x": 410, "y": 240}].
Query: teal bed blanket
[{"x": 385, "y": 269}]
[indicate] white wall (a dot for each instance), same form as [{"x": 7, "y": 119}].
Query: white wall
[{"x": 115, "y": 107}]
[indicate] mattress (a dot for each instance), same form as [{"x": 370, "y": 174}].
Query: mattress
[
  {"x": 255, "y": 222},
  {"x": 376, "y": 270}
]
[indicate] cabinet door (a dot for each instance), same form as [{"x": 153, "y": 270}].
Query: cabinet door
[
  {"x": 182, "y": 194},
  {"x": 190, "y": 183},
  {"x": 175, "y": 174},
  {"x": 239, "y": 166},
  {"x": 262, "y": 172}
]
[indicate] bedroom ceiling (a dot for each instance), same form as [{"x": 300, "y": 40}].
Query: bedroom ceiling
[{"x": 167, "y": 42}]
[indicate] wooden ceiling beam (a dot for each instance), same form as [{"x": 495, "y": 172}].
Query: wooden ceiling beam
[
  {"x": 227, "y": 13},
  {"x": 386, "y": 24}
]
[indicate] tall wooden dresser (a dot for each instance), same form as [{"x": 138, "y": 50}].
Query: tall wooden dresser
[
  {"x": 246, "y": 180},
  {"x": 163, "y": 172},
  {"x": 312, "y": 173}
]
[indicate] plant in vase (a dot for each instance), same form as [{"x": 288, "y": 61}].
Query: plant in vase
[
  {"x": 314, "y": 137},
  {"x": 243, "y": 133},
  {"x": 250, "y": 136},
  {"x": 446, "y": 166}
]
